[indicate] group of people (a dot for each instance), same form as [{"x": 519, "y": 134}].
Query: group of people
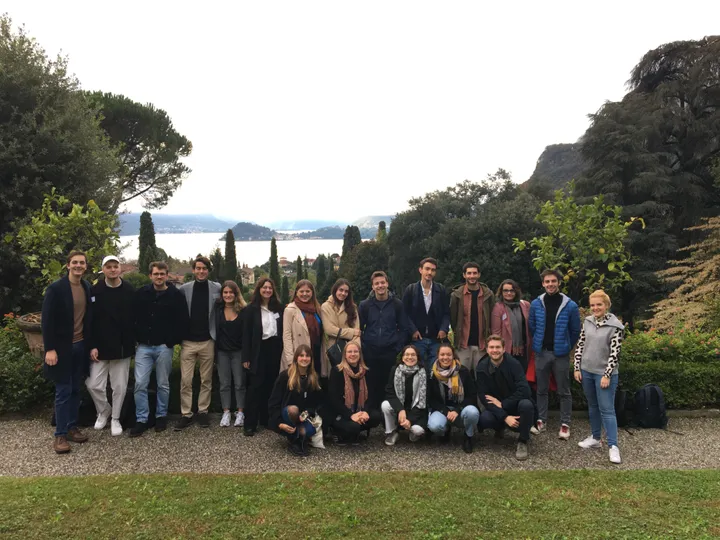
[{"x": 337, "y": 369}]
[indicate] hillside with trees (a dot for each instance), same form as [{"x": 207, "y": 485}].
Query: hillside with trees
[{"x": 245, "y": 231}]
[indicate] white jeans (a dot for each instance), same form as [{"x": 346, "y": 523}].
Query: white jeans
[
  {"x": 391, "y": 423},
  {"x": 119, "y": 371}
]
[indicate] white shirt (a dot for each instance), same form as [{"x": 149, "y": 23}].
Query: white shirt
[
  {"x": 269, "y": 322},
  {"x": 427, "y": 296}
]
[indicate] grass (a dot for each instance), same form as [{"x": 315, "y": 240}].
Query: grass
[{"x": 546, "y": 504}]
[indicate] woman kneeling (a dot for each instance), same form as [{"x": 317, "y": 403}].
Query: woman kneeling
[
  {"x": 452, "y": 397},
  {"x": 406, "y": 402},
  {"x": 295, "y": 399},
  {"x": 349, "y": 397}
]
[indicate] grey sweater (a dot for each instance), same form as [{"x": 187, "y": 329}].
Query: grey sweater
[{"x": 598, "y": 349}]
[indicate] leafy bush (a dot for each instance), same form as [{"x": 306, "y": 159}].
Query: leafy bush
[
  {"x": 23, "y": 384},
  {"x": 136, "y": 279},
  {"x": 681, "y": 347}
]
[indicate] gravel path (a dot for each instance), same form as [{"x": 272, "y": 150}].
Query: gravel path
[{"x": 27, "y": 451}]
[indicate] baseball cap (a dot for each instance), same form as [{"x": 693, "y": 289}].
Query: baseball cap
[{"x": 110, "y": 258}]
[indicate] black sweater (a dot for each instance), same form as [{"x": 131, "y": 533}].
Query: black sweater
[
  {"x": 437, "y": 393},
  {"x": 336, "y": 395},
  {"x": 229, "y": 334},
  {"x": 392, "y": 397},
  {"x": 506, "y": 383},
  {"x": 113, "y": 321},
  {"x": 552, "y": 305},
  {"x": 160, "y": 319},
  {"x": 282, "y": 397}
]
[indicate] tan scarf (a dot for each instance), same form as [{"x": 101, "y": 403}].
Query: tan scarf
[
  {"x": 350, "y": 390},
  {"x": 450, "y": 377}
]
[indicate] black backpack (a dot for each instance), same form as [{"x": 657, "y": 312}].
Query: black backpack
[
  {"x": 649, "y": 410},
  {"x": 621, "y": 408}
]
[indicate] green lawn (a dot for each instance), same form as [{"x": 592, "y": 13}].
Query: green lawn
[{"x": 547, "y": 504}]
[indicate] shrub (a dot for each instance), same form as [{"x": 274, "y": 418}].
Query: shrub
[
  {"x": 136, "y": 279},
  {"x": 681, "y": 347}
]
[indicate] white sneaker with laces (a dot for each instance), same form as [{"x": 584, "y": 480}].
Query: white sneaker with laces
[
  {"x": 101, "y": 421},
  {"x": 590, "y": 442},
  {"x": 225, "y": 420},
  {"x": 239, "y": 419},
  {"x": 391, "y": 438},
  {"x": 538, "y": 428},
  {"x": 115, "y": 428},
  {"x": 615, "y": 455},
  {"x": 564, "y": 432}
]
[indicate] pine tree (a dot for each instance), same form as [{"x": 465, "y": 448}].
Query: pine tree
[
  {"x": 285, "y": 291},
  {"x": 382, "y": 232},
  {"x": 324, "y": 290},
  {"x": 351, "y": 238},
  {"x": 230, "y": 268},
  {"x": 274, "y": 264},
  {"x": 321, "y": 272},
  {"x": 216, "y": 260},
  {"x": 146, "y": 243},
  {"x": 299, "y": 269}
]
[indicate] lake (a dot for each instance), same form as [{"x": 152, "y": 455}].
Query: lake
[{"x": 187, "y": 246}]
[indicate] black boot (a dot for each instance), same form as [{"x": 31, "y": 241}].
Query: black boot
[
  {"x": 467, "y": 445},
  {"x": 295, "y": 447}
]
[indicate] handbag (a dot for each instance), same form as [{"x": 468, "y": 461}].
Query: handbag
[
  {"x": 316, "y": 441},
  {"x": 335, "y": 352}
]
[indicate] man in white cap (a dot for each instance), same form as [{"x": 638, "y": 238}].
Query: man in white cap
[{"x": 113, "y": 343}]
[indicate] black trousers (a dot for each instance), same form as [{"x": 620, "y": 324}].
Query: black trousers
[
  {"x": 379, "y": 365},
  {"x": 349, "y": 430},
  {"x": 261, "y": 383},
  {"x": 525, "y": 409}
]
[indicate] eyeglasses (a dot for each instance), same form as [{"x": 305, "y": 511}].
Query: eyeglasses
[{"x": 509, "y": 290}]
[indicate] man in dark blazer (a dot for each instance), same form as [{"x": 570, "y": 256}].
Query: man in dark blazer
[{"x": 66, "y": 329}]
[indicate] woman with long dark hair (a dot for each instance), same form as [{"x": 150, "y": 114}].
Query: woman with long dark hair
[
  {"x": 302, "y": 324},
  {"x": 295, "y": 399},
  {"x": 262, "y": 349},
  {"x": 509, "y": 319},
  {"x": 229, "y": 317},
  {"x": 340, "y": 320}
]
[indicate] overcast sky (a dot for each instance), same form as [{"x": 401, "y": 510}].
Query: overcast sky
[{"x": 335, "y": 110}]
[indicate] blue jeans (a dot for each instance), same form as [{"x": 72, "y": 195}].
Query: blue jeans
[
  {"x": 145, "y": 357},
  {"x": 428, "y": 350},
  {"x": 601, "y": 406},
  {"x": 67, "y": 392},
  {"x": 469, "y": 416},
  {"x": 309, "y": 428}
]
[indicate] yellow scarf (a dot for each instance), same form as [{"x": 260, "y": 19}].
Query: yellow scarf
[{"x": 451, "y": 378}]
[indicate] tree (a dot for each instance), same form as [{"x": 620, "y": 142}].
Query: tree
[
  {"x": 351, "y": 238},
  {"x": 274, "y": 264},
  {"x": 230, "y": 270},
  {"x": 299, "y": 269},
  {"x": 147, "y": 249},
  {"x": 368, "y": 257},
  {"x": 381, "y": 232},
  {"x": 60, "y": 227},
  {"x": 217, "y": 265},
  {"x": 285, "y": 291},
  {"x": 321, "y": 272},
  {"x": 585, "y": 242},
  {"x": 326, "y": 288},
  {"x": 149, "y": 148}
]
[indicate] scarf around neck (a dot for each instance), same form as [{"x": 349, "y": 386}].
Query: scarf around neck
[
  {"x": 518, "y": 328},
  {"x": 350, "y": 389},
  {"x": 419, "y": 385},
  {"x": 309, "y": 312},
  {"x": 450, "y": 377}
]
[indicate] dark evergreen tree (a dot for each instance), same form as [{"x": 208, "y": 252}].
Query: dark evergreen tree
[
  {"x": 146, "y": 243},
  {"x": 285, "y": 291},
  {"x": 368, "y": 257},
  {"x": 217, "y": 263},
  {"x": 274, "y": 264},
  {"x": 381, "y": 232},
  {"x": 299, "y": 269},
  {"x": 321, "y": 273},
  {"x": 230, "y": 269},
  {"x": 324, "y": 291}
]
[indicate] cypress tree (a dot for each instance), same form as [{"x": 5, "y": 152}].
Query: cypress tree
[
  {"x": 321, "y": 273},
  {"x": 285, "y": 291},
  {"x": 274, "y": 264},
  {"x": 324, "y": 290},
  {"x": 382, "y": 232},
  {"x": 299, "y": 269},
  {"x": 216, "y": 260},
  {"x": 146, "y": 243},
  {"x": 230, "y": 268}
]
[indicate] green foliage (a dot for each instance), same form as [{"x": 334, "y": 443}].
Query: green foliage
[
  {"x": 325, "y": 288},
  {"x": 320, "y": 272},
  {"x": 584, "y": 242},
  {"x": 274, "y": 264},
  {"x": 366, "y": 258},
  {"x": 381, "y": 232},
  {"x": 217, "y": 265},
  {"x": 147, "y": 248},
  {"x": 188, "y": 277},
  {"x": 149, "y": 148},
  {"x": 299, "y": 269},
  {"x": 59, "y": 227},
  {"x": 23, "y": 385},
  {"x": 137, "y": 279},
  {"x": 230, "y": 270},
  {"x": 351, "y": 238},
  {"x": 285, "y": 291}
]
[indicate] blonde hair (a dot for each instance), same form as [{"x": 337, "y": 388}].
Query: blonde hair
[
  {"x": 344, "y": 364},
  {"x": 603, "y": 295},
  {"x": 294, "y": 371}
]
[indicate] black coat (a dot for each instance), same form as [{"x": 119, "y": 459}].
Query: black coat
[
  {"x": 336, "y": 395},
  {"x": 113, "y": 328},
  {"x": 252, "y": 335},
  {"x": 58, "y": 322},
  {"x": 507, "y": 384},
  {"x": 436, "y": 394},
  {"x": 160, "y": 320},
  {"x": 282, "y": 397}
]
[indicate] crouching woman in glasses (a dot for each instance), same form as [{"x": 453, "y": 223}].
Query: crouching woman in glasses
[
  {"x": 406, "y": 397},
  {"x": 294, "y": 401}
]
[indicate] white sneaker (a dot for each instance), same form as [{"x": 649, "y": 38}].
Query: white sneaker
[
  {"x": 538, "y": 428},
  {"x": 564, "y": 432},
  {"x": 115, "y": 428},
  {"x": 391, "y": 438},
  {"x": 615, "y": 455},
  {"x": 225, "y": 421},
  {"x": 239, "y": 419},
  {"x": 590, "y": 442},
  {"x": 416, "y": 433},
  {"x": 101, "y": 421}
]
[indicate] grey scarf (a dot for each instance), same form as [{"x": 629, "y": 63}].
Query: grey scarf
[
  {"x": 517, "y": 327},
  {"x": 419, "y": 385}
]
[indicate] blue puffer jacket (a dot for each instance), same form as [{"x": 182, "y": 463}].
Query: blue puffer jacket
[{"x": 567, "y": 325}]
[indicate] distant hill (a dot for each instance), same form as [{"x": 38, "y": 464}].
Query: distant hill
[
  {"x": 251, "y": 231},
  {"x": 335, "y": 233},
  {"x": 372, "y": 222},
  {"x": 556, "y": 166},
  {"x": 303, "y": 225},
  {"x": 174, "y": 223}
]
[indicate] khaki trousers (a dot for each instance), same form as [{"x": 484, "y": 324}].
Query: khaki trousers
[
  {"x": 470, "y": 357},
  {"x": 191, "y": 353}
]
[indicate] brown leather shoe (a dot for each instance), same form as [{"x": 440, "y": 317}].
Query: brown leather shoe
[
  {"x": 60, "y": 445},
  {"x": 75, "y": 435}
]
